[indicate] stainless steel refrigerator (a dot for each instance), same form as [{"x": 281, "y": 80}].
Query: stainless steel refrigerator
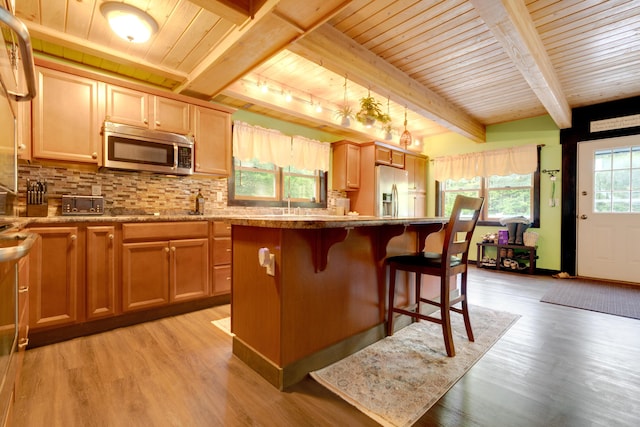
[{"x": 392, "y": 192}]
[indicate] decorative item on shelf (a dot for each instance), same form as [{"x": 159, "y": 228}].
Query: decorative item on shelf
[
  {"x": 405, "y": 138},
  {"x": 388, "y": 136},
  {"x": 552, "y": 177},
  {"x": 345, "y": 112},
  {"x": 371, "y": 111}
]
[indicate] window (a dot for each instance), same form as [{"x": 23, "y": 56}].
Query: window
[
  {"x": 256, "y": 183},
  {"x": 617, "y": 180},
  {"x": 504, "y": 196}
]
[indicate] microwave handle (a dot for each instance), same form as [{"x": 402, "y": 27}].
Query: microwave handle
[
  {"x": 175, "y": 156},
  {"x": 26, "y": 52}
]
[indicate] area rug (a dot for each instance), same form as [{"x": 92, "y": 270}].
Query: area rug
[
  {"x": 224, "y": 324},
  {"x": 397, "y": 379},
  {"x": 619, "y": 300}
]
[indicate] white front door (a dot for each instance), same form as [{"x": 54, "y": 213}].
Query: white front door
[{"x": 608, "y": 245}]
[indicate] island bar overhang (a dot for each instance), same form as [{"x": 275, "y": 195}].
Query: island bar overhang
[{"x": 327, "y": 297}]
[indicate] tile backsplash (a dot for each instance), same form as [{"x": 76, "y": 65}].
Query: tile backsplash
[{"x": 134, "y": 191}]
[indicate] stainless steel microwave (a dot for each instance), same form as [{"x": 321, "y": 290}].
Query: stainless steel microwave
[{"x": 132, "y": 148}]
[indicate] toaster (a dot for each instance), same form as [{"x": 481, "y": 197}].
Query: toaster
[{"x": 82, "y": 205}]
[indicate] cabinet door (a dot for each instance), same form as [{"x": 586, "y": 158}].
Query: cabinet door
[
  {"x": 53, "y": 294},
  {"x": 346, "y": 167},
  {"x": 417, "y": 204},
  {"x": 127, "y": 106},
  {"x": 170, "y": 115},
  {"x": 397, "y": 158},
  {"x": 189, "y": 269},
  {"x": 212, "y": 132},
  {"x": 383, "y": 155},
  {"x": 66, "y": 117},
  {"x": 222, "y": 280},
  {"x": 145, "y": 275},
  {"x": 417, "y": 170},
  {"x": 101, "y": 272}
]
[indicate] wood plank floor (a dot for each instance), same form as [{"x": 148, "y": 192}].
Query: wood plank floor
[{"x": 556, "y": 366}]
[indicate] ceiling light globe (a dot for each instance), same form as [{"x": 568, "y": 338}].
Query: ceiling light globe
[{"x": 128, "y": 22}]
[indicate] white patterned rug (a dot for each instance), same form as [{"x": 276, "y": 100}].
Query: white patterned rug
[
  {"x": 397, "y": 379},
  {"x": 224, "y": 324}
]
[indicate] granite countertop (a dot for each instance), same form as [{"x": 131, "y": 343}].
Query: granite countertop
[{"x": 254, "y": 220}]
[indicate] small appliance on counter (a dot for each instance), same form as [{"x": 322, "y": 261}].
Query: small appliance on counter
[
  {"x": 82, "y": 205},
  {"x": 37, "y": 198}
]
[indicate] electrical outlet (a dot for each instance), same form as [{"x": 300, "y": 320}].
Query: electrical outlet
[{"x": 96, "y": 190}]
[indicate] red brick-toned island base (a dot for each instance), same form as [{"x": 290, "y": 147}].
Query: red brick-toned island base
[{"x": 326, "y": 297}]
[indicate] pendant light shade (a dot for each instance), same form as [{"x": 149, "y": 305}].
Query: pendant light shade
[
  {"x": 405, "y": 138},
  {"x": 129, "y": 22}
]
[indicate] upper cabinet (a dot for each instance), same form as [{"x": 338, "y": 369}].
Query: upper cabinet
[
  {"x": 416, "y": 166},
  {"x": 67, "y": 117},
  {"x": 387, "y": 156},
  {"x": 140, "y": 109},
  {"x": 212, "y": 134},
  {"x": 346, "y": 166}
]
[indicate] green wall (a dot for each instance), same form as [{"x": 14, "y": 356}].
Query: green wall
[{"x": 537, "y": 130}]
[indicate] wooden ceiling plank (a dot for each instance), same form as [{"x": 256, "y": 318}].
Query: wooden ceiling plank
[
  {"x": 343, "y": 55},
  {"x": 511, "y": 25},
  {"x": 85, "y": 46}
]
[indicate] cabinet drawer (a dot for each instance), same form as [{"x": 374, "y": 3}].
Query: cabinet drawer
[
  {"x": 222, "y": 280},
  {"x": 164, "y": 231},
  {"x": 222, "y": 251},
  {"x": 221, "y": 229}
]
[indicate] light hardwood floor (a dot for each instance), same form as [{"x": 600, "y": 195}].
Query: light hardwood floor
[{"x": 556, "y": 366}]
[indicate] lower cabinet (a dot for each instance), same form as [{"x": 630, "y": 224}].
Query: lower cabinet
[
  {"x": 101, "y": 271},
  {"x": 54, "y": 273},
  {"x": 221, "y": 258},
  {"x": 157, "y": 271}
]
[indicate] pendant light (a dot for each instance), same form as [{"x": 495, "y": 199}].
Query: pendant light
[
  {"x": 129, "y": 22},
  {"x": 405, "y": 138},
  {"x": 345, "y": 111}
]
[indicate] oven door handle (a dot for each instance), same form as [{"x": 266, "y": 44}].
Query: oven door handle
[{"x": 26, "y": 53}]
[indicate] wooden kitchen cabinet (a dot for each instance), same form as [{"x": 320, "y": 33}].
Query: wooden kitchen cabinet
[
  {"x": 221, "y": 258},
  {"x": 212, "y": 134},
  {"x": 346, "y": 166},
  {"x": 101, "y": 271},
  {"x": 136, "y": 108},
  {"x": 54, "y": 271},
  {"x": 416, "y": 166},
  {"x": 164, "y": 263},
  {"x": 67, "y": 115},
  {"x": 388, "y": 156}
]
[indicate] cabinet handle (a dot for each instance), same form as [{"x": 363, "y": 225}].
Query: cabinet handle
[
  {"x": 166, "y": 250},
  {"x": 23, "y": 289},
  {"x": 23, "y": 343},
  {"x": 173, "y": 248},
  {"x": 157, "y": 123},
  {"x": 94, "y": 155},
  {"x": 73, "y": 237},
  {"x": 228, "y": 250},
  {"x": 110, "y": 236},
  {"x": 22, "y": 147}
]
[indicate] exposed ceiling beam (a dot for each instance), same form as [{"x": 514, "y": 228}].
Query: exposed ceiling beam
[
  {"x": 275, "y": 25},
  {"x": 87, "y": 47},
  {"x": 511, "y": 24},
  {"x": 232, "y": 11}
]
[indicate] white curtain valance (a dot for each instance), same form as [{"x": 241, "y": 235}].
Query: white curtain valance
[
  {"x": 271, "y": 146},
  {"x": 310, "y": 154},
  {"x": 266, "y": 145},
  {"x": 515, "y": 160}
]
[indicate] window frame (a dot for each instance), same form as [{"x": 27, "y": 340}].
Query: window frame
[
  {"x": 280, "y": 200},
  {"x": 484, "y": 192}
]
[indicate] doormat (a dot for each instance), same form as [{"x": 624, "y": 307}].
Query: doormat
[
  {"x": 616, "y": 299},
  {"x": 397, "y": 379},
  {"x": 224, "y": 324}
]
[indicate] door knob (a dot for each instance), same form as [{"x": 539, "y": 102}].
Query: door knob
[{"x": 583, "y": 216}]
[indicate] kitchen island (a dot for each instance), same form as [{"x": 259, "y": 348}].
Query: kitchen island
[{"x": 323, "y": 296}]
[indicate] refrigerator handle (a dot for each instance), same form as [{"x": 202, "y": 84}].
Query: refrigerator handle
[{"x": 394, "y": 192}]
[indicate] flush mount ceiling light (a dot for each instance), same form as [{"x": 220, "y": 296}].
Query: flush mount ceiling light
[{"x": 129, "y": 22}]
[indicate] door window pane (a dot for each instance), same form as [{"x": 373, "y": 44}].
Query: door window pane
[{"x": 616, "y": 180}]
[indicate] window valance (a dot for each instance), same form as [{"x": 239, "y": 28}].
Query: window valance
[
  {"x": 271, "y": 146},
  {"x": 515, "y": 160}
]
